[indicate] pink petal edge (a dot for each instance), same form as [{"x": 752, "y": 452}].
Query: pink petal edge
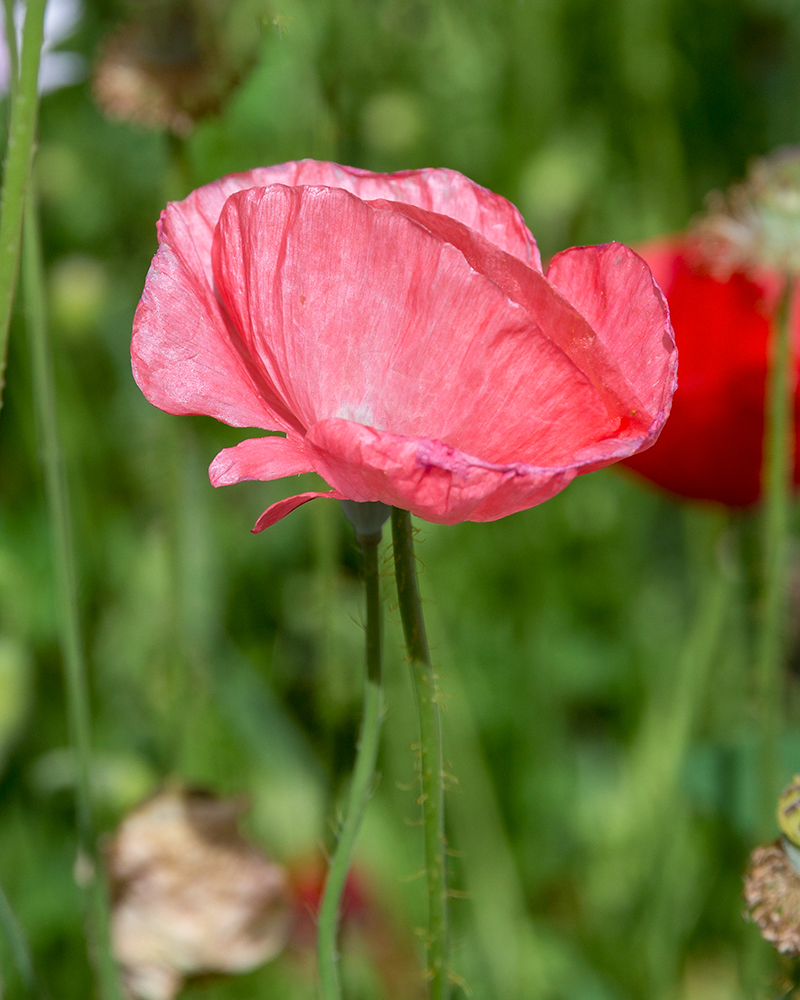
[
  {"x": 261, "y": 458},
  {"x": 279, "y": 510},
  {"x": 185, "y": 357},
  {"x": 436, "y": 189},
  {"x": 615, "y": 291},
  {"x": 439, "y": 483}
]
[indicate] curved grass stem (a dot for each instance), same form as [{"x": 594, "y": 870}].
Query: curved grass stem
[
  {"x": 431, "y": 755},
  {"x": 362, "y": 782}
]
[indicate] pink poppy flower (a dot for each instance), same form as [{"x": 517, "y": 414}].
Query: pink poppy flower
[{"x": 400, "y": 333}]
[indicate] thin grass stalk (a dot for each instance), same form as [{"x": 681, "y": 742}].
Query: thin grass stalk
[
  {"x": 15, "y": 935},
  {"x": 431, "y": 754},
  {"x": 777, "y": 474},
  {"x": 89, "y": 867},
  {"x": 18, "y": 945},
  {"x": 17, "y": 169},
  {"x": 657, "y": 802},
  {"x": 362, "y": 783}
]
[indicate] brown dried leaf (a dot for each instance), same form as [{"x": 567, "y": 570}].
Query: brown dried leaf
[{"x": 190, "y": 895}]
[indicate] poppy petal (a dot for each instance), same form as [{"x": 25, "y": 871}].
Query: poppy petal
[
  {"x": 583, "y": 339},
  {"x": 427, "y": 477},
  {"x": 614, "y": 290},
  {"x": 378, "y": 349},
  {"x": 435, "y": 189},
  {"x": 258, "y": 458},
  {"x": 711, "y": 447},
  {"x": 279, "y": 510},
  {"x": 186, "y": 358}
]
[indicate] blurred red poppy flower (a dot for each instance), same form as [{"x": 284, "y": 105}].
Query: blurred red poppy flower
[
  {"x": 711, "y": 446},
  {"x": 363, "y": 915},
  {"x": 399, "y": 331}
]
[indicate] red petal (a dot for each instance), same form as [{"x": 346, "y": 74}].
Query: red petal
[
  {"x": 279, "y": 510},
  {"x": 711, "y": 446},
  {"x": 258, "y": 458}
]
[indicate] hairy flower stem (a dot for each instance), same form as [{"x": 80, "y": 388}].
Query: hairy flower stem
[
  {"x": 362, "y": 783},
  {"x": 431, "y": 757},
  {"x": 89, "y": 868},
  {"x": 17, "y": 169},
  {"x": 777, "y": 490}
]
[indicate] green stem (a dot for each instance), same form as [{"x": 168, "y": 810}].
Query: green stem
[
  {"x": 11, "y": 42},
  {"x": 777, "y": 491},
  {"x": 657, "y": 811},
  {"x": 67, "y": 597},
  {"x": 658, "y": 756},
  {"x": 18, "y": 944},
  {"x": 362, "y": 784},
  {"x": 19, "y": 159},
  {"x": 431, "y": 756}
]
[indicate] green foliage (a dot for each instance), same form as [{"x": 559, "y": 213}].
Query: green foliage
[{"x": 235, "y": 661}]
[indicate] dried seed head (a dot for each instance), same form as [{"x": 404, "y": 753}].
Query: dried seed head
[
  {"x": 756, "y": 224},
  {"x": 772, "y": 895},
  {"x": 190, "y": 895},
  {"x": 175, "y": 62}
]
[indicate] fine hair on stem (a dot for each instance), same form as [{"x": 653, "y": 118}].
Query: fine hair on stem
[{"x": 431, "y": 754}]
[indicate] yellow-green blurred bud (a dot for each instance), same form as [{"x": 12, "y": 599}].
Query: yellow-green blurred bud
[
  {"x": 78, "y": 292},
  {"x": 788, "y": 812}
]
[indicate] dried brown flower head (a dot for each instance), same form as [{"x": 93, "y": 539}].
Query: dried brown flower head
[
  {"x": 190, "y": 895},
  {"x": 772, "y": 894},
  {"x": 756, "y": 225},
  {"x": 176, "y": 61}
]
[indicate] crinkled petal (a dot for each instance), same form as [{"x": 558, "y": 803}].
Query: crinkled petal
[
  {"x": 258, "y": 458},
  {"x": 434, "y": 481},
  {"x": 385, "y": 321},
  {"x": 446, "y": 192},
  {"x": 614, "y": 290},
  {"x": 590, "y": 337},
  {"x": 186, "y": 357},
  {"x": 279, "y": 510}
]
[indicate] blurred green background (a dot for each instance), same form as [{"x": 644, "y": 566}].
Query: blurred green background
[{"x": 606, "y": 798}]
